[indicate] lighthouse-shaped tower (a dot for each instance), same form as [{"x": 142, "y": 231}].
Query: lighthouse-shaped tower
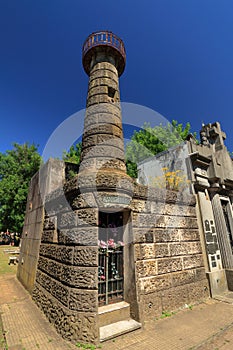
[
  {"x": 85, "y": 279},
  {"x": 102, "y": 174},
  {"x": 104, "y": 62}
]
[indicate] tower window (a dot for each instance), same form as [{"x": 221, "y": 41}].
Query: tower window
[{"x": 111, "y": 92}]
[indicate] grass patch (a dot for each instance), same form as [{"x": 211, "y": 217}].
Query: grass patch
[
  {"x": 4, "y": 259},
  {"x": 88, "y": 346},
  {"x": 167, "y": 314}
]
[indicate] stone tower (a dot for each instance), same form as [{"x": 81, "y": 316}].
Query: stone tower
[{"x": 104, "y": 61}]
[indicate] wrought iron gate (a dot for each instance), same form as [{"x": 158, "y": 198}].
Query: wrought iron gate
[{"x": 111, "y": 274}]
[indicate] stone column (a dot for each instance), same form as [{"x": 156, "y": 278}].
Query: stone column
[
  {"x": 102, "y": 170},
  {"x": 102, "y": 143}
]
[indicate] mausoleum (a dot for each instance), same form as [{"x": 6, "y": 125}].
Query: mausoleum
[{"x": 102, "y": 253}]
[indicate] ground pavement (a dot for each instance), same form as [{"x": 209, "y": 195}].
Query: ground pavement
[{"x": 206, "y": 326}]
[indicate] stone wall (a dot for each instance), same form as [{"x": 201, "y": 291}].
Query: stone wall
[
  {"x": 168, "y": 255},
  {"x": 175, "y": 159},
  {"x": 50, "y": 176},
  {"x": 164, "y": 266},
  {"x": 66, "y": 287}
]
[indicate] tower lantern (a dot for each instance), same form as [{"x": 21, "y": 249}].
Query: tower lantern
[{"x": 103, "y": 45}]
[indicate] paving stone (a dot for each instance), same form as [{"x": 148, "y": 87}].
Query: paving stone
[{"x": 205, "y": 326}]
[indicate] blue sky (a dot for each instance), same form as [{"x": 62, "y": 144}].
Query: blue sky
[{"x": 179, "y": 61}]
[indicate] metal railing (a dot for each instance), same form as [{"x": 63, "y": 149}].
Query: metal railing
[{"x": 104, "y": 38}]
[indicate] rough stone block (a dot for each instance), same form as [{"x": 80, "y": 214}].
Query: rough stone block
[
  {"x": 88, "y": 216},
  {"x": 201, "y": 274},
  {"x": 150, "y": 250},
  {"x": 141, "y": 192},
  {"x": 102, "y": 140},
  {"x": 86, "y": 256},
  {"x": 96, "y": 90},
  {"x": 105, "y": 129},
  {"x": 49, "y": 236},
  {"x": 50, "y": 267},
  {"x": 80, "y": 277},
  {"x": 101, "y": 73},
  {"x": 108, "y": 150},
  {"x": 144, "y": 251},
  {"x": 184, "y": 248},
  {"x": 169, "y": 265},
  {"x": 112, "y": 163},
  {"x": 146, "y": 268},
  {"x": 65, "y": 254},
  {"x": 176, "y": 222},
  {"x": 48, "y": 250},
  {"x": 190, "y": 262},
  {"x": 90, "y": 121},
  {"x": 72, "y": 325},
  {"x": 184, "y": 277},
  {"x": 112, "y": 109},
  {"x": 180, "y": 210},
  {"x": 198, "y": 291},
  {"x": 174, "y": 298},
  {"x": 67, "y": 220},
  {"x": 84, "y": 200},
  {"x": 161, "y": 250},
  {"x": 79, "y": 236},
  {"x": 138, "y": 205},
  {"x": 103, "y": 81},
  {"x": 83, "y": 300},
  {"x": 189, "y": 234},
  {"x": 166, "y": 235},
  {"x": 55, "y": 288},
  {"x": 156, "y": 283},
  {"x": 147, "y": 220},
  {"x": 105, "y": 65},
  {"x": 152, "y": 306},
  {"x": 50, "y": 223},
  {"x": 140, "y": 235}
]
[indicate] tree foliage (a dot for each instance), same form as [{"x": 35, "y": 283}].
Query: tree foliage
[
  {"x": 144, "y": 143},
  {"x": 74, "y": 154},
  {"x": 17, "y": 166},
  {"x": 150, "y": 141}
]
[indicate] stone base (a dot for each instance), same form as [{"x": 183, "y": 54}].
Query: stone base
[
  {"x": 113, "y": 313},
  {"x": 229, "y": 276},
  {"x": 226, "y": 297},
  {"x": 118, "y": 328},
  {"x": 218, "y": 282}
]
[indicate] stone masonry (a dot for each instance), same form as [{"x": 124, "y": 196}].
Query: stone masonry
[{"x": 163, "y": 262}]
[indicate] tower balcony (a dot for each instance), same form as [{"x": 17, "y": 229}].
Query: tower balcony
[{"x": 104, "y": 40}]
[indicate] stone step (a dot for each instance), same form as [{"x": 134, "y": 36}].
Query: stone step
[
  {"x": 226, "y": 297},
  {"x": 118, "y": 328},
  {"x": 112, "y": 313}
]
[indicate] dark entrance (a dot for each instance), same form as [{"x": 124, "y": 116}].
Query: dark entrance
[
  {"x": 110, "y": 274},
  {"x": 228, "y": 220}
]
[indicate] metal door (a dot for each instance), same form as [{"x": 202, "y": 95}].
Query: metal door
[{"x": 111, "y": 264}]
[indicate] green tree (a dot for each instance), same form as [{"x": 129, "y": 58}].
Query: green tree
[
  {"x": 150, "y": 141},
  {"x": 17, "y": 166},
  {"x": 74, "y": 154}
]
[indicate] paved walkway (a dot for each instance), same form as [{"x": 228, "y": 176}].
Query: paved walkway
[
  {"x": 26, "y": 328},
  {"x": 207, "y": 326}
]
